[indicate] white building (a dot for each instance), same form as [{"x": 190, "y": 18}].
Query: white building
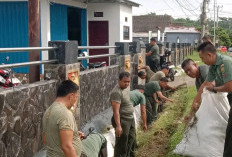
[
  {"x": 182, "y": 35},
  {"x": 90, "y": 22}
]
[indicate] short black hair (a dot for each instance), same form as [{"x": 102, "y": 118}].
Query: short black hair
[
  {"x": 207, "y": 47},
  {"x": 164, "y": 67},
  {"x": 124, "y": 74},
  {"x": 141, "y": 73},
  {"x": 153, "y": 39},
  {"x": 140, "y": 87},
  {"x": 66, "y": 87},
  {"x": 186, "y": 62},
  {"x": 164, "y": 79}
]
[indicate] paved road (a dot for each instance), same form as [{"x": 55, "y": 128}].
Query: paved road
[{"x": 182, "y": 79}]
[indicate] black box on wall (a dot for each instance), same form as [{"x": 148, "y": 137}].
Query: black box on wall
[
  {"x": 122, "y": 48},
  {"x": 66, "y": 52}
]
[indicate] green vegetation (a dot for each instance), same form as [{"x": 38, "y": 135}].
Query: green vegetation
[
  {"x": 195, "y": 57},
  {"x": 178, "y": 135},
  {"x": 188, "y": 22},
  {"x": 167, "y": 131},
  {"x": 223, "y": 36}
]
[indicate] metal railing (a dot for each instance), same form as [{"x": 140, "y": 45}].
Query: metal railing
[
  {"x": 96, "y": 47},
  {"x": 96, "y": 56},
  {"x": 16, "y": 65},
  {"x": 22, "y": 49}
]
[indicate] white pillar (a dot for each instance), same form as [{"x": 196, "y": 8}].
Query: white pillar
[
  {"x": 45, "y": 27},
  {"x": 158, "y": 36},
  {"x": 149, "y": 35},
  {"x": 162, "y": 37}
]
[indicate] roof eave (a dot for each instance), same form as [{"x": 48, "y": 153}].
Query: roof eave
[
  {"x": 127, "y": 2},
  {"x": 183, "y": 32},
  {"x": 134, "y": 4}
]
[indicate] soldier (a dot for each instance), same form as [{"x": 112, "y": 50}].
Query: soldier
[
  {"x": 152, "y": 89},
  {"x": 153, "y": 56},
  {"x": 160, "y": 74},
  {"x": 60, "y": 133},
  {"x": 200, "y": 74},
  {"x": 194, "y": 71},
  {"x": 123, "y": 118},
  {"x": 146, "y": 75},
  {"x": 137, "y": 98},
  {"x": 220, "y": 71}
]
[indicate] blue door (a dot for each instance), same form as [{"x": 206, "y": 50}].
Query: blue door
[
  {"x": 59, "y": 22},
  {"x": 14, "y": 32}
]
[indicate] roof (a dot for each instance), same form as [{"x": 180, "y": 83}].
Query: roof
[
  {"x": 147, "y": 23},
  {"x": 176, "y": 24},
  {"x": 181, "y": 30},
  {"x": 128, "y": 2},
  {"x": 144, "y": 34}
]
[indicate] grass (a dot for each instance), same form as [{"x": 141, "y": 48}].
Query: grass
[
  {"x": 195, "y": 57},
  {"x": 167, "y": 131},
  {"x": 178, "y": 135}
]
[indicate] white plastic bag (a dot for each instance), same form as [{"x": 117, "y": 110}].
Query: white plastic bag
[
  {"x": 137, "y": 116},
  {"x": 205, "y": 136}
]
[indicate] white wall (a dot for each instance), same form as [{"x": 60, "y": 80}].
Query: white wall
[
  {"x": 125, "y": 11},
  {"x": 111, "y": 13},
  {"x": 45, "y": 25},
  {"x": 76, "y": 3}
]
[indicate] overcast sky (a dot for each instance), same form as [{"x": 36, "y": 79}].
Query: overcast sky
[{"x": 190, "y": 8}]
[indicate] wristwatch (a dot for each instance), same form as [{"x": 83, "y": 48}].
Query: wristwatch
[{"x": 213, "y": 90}]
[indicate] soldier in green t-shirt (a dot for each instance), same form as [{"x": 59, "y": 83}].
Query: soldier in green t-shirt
[
  {"x": 94, "y": 145},
  {"x": 123, "y": 118},
  {"x": 153, "y": 56},
  {"x": 145, "y": 75},
  {"x": 152, "y": 90},
  {"x": 220, "y": 72},
  {"x": 60, "y": 133},
  {"x": 137, "y": 98},
  {"x": 160, "y": 74},
  {"x": 200, "y": 74}
]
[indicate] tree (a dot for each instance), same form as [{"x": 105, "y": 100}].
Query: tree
[
  {"x": 230, "y": 35},
  {"x": 187, "y": 22},
  {"x": 222, "y": 36},
  {"x": 152, "y": 14}
]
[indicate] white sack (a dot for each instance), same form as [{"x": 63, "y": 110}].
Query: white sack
[
  {"x": 137, "y": 116},
  {"x": 206, "y": 137},
  {"x": 110, "y": 135}
]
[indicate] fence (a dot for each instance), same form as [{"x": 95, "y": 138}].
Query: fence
[{"x": 22, "y": 108}]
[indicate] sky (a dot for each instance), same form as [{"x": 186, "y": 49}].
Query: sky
[{"x": 190, "y": 8}]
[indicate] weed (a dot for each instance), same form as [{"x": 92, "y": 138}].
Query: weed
[{"x": 165, "y": 133}]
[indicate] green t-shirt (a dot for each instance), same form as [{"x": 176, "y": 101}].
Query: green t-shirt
[
  {"x": 151, "y": 88},
  {"x": 149, "y": 73},
  {"x": 221, "y": 72},
  {"x": 155, "y": 56},
  {"x": 203, "y": 71},
  {"x": 92, "y": 145},
  {"x": 137, "y": 98},
  {"x": 123, "y": 97},
  {"x": 57, "y": 117},
  {"x": 157, "y": 76}
]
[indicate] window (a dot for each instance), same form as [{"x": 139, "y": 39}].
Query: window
[
  {"x": 126, "y": 33},
  {"x": 126, "y": 19},
  {"x": 98, "y": 14}
]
